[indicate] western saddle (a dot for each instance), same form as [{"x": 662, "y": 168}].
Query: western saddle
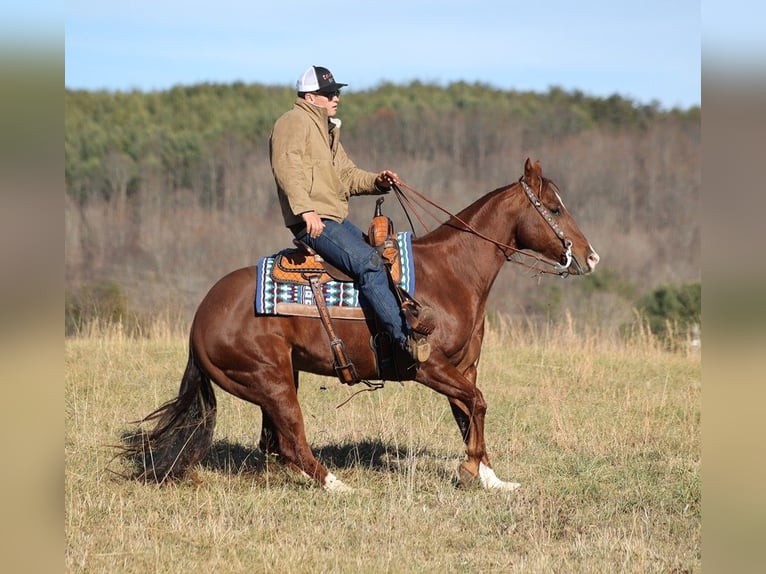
[{"x": 303, "y": 266}]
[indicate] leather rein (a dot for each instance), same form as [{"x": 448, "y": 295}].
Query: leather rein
[{"x": 508, "y": 250}]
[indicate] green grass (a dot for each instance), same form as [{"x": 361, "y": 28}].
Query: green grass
[{"x": 604, "y": 437}]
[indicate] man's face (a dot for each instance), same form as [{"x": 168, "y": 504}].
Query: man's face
[{"x": 326, "y": 100}]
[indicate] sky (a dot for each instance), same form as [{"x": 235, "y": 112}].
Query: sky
[{"x": 647, "y": 51}]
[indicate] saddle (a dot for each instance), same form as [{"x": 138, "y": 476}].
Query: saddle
[
  {"x": 303, "y": 266},
  {"x": 297, "y": 265}
]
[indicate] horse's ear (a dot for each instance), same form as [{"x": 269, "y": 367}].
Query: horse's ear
[{"x": 531, "y": 171}]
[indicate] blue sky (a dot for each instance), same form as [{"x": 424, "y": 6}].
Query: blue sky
[{"x": 646, "y": 51}]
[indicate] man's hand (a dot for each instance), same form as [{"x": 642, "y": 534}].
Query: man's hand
[
  {"x": 314, "y": 223},
  {"x": 386, "y": 179}
]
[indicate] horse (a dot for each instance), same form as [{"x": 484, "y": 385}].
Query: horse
[{"x": 258, "y": 357}]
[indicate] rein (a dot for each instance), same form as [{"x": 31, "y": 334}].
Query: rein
[{"x": 558, "y": 268}]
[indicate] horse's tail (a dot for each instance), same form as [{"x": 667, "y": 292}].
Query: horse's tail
[{"x": 182, "y": 433}]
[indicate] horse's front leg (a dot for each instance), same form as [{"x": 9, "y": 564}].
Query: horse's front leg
[{"x": 472, "y": 431}]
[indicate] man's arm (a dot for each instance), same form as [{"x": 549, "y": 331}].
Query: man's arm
[{"x": 288, "y": 145}]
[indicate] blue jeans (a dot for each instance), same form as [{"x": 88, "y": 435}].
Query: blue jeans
[{"x": 342, "y": 245}]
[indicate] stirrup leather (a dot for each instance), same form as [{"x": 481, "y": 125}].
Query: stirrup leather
[{"x": 344, "y": 368}]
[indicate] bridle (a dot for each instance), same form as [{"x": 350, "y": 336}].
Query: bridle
[
  {"x": 561, "y": 268},
  {"x": 508, "y": 250}
]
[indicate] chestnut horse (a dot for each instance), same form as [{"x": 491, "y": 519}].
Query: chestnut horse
[{"x": 257, "y": 357}]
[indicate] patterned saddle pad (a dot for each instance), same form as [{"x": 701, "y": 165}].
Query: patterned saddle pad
[{"x": 277, "y": 293}]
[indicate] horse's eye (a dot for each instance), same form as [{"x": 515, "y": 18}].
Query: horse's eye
[{"x": 556, "y": 210}]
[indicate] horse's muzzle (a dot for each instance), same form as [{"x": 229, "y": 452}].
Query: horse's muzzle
[{"x": 576, "y": 268}]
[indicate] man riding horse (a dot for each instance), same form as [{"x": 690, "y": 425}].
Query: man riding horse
[{"x": 315, "y": 179}]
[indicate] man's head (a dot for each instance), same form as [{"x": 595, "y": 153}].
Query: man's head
[{"x": 318, "y": 87}]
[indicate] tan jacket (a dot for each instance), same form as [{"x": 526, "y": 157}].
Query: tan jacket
[{"x": 310, "y": 166}]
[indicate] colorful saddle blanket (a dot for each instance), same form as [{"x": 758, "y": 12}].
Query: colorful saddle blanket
[{"x": 273, "y": 297}]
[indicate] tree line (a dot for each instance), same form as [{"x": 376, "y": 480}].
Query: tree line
[{"x": 116, "y": 140}]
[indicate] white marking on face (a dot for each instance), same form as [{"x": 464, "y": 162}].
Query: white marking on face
[
  {"x": 560, "y": 200},
  {"x": 593, "y": 258}
]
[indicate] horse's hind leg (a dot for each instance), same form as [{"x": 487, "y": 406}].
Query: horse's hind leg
[
  {"x": 293, "y": 448},
  {"x": 274, "y": 389},
  {"x": 268, "y": 442},
  {"x": 284, "y": 429}
]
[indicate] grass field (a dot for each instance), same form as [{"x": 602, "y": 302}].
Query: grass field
[{"x": 603, "y": 436}]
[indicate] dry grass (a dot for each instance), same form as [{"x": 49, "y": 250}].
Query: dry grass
[{"x": 604, "y": 437}]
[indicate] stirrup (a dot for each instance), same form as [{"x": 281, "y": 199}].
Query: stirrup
[
  {"x": 420, "y": 318},
  {"x": 419, "y": 349}
]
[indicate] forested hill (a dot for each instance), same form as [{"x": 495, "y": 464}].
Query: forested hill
[
  {"x": 166, "y": 191},
  {"x": 174, "y": 134}
]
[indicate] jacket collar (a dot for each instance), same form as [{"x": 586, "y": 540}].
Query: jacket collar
[{"x": 318, "y": 114}]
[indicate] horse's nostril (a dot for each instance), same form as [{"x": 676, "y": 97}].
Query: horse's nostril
[{"x": 593, "y": 260}]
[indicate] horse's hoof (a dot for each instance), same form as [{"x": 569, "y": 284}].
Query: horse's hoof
[
  {"x": 466, "y": 477},
  {"x": 335, "y": 485}
]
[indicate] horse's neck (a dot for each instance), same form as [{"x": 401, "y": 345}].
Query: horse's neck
[{"x": 477, "y": 259}]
